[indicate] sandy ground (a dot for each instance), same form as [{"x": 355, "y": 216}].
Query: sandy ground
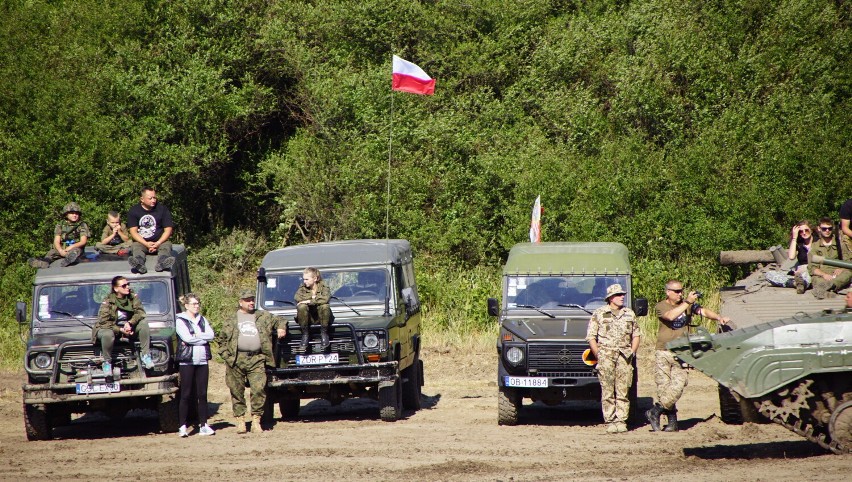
[{"x": 454, "y": 437}]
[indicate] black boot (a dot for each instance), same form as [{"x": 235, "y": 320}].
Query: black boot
[
  {"x": 672, "y": 425},
  {"x": 306, "y": 337},
  {"x": 324, "y": 337},
  {"x": 653, "y": 416}
]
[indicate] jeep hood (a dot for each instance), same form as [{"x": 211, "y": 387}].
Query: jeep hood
[{"x": 548, "y": 329}]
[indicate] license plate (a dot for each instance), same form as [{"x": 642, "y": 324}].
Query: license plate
[
  {"x": 88, "y": 389},
  {"x": 318, "y": 359},
  {"x": 525, "y": 382}
]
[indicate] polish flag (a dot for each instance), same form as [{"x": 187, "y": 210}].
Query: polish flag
[
  {"x": 535, "y": 222},
  {"x": 408, "y": 77}
]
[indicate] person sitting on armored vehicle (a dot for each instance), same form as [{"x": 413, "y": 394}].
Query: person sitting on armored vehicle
[
  {"x": 312, "y": 306},
  {"x": 69, "y": 239},
  {"x": 827, "y": 281},
  {"x": 801, "y": 240},
  {"x": 121, "y": 314},
  {"x": 846, "y": 224}
]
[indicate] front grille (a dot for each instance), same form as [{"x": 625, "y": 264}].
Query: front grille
[
  {"x": 342, "y": 342},
  {"x": 559, "y": 358}
]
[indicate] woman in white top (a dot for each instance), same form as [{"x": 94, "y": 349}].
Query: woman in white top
[{"x": 194, "y": 335}]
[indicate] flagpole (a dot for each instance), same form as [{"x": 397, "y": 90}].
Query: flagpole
[{"x": 387, "y": 196}]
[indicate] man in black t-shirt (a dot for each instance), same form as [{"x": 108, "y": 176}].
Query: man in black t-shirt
[{"x": 150, "y": 225}]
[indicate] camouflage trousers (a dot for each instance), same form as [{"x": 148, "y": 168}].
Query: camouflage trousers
[
  {"x": 317, "y": 314},
  {"x": 113, "y": 248},
  {"x": 670, "y": 378},
  {"x": 251, "y": 367},
  {"x": 53, "y": 254},
  {"x": 140, "y": 331},
  {"x": 615, "y": 373}
]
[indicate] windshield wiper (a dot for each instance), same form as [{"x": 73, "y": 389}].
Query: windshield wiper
[
  {"x": 573, "y": 305},
  {"x": 69, "y": 315},
  {"x": 347, "y": 305},
  {"x": 536, "y": 308}
]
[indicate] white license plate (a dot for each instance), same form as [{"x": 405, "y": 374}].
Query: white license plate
[
  {"x": 525, "y": 382},
  {"x": 87, "y": 389},
  {"x": 318, "y": 359}
]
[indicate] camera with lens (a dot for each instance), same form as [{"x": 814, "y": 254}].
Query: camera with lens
[{"x": 698, "y": 295}]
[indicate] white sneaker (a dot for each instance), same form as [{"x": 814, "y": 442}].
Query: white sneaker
[
  {"x": 206, "y": 430},
  {"x": 182, "y": 431}
]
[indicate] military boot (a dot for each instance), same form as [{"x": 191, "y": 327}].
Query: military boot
[
  {"x": 820, "y": 287},
  {"x": 39, "y": 262},
  {"x": 799, "y": 283},
  {"x": 255, "y": 424},
  {"x": 138, "y": 264},
  {"x": 306, "y": 338},
  {"x": 240, "y": 423},
  {"x": 653, "y": 416},
  {"x": 324, "y": 337},
  {"x": 672, "y": 425}
]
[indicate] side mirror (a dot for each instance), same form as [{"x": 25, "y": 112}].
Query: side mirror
[
  {"x": 21, "y": 312},
  {"x": 261, "y": 274},
  {"x": 493, "y": 307},
  {"x": 640, "y": 306},
  {"x": 410, "y": 300}
]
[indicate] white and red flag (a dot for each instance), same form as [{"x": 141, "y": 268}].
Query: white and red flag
[
  {"x": 408, "y": 77},
  {"x": 535, "y": 223}
]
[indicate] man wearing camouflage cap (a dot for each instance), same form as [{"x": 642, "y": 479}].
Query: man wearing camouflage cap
[
  {"x": 613, "y": 337},
  {"x": 69, "y": 239},
  {"x": 245, "y": 344}
]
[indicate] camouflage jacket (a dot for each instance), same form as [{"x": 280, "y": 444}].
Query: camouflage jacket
[
  {"x": 323, "y": 294},
  {"x": 108, "y": 313},
  {"x": 819, "y": 249},
  {"x": 613, "y": 332},
  {"x": 267, "y": 325},
  {"x": 71, "y": 233}
]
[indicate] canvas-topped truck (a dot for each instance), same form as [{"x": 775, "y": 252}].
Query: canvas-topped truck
[
  {"x": 374, "y": 347},
  {"x": 549, "y": 293},
  {"x": 63, "y": 366}
]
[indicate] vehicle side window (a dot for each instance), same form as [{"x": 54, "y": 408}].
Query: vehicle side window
[{"x": 409, "y": 286}]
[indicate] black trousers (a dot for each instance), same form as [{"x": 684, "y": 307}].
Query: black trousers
[{"x": 193, "y": 376}]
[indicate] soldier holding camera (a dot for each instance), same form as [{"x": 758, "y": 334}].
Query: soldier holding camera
[{"x": 675, "y": 314}]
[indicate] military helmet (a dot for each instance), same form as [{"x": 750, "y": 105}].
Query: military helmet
[{"x": 71, "y": 207}]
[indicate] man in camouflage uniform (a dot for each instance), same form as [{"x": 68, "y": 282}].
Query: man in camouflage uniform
[
  {"x": 613, "y": 337},
  {"x": 69, "y": 239},
  {"x": 675, "y": 315},
  {"x": 827, "y": 280},
  {"x": 122, "y": 315},
  {"x": 245, "y": 344}
]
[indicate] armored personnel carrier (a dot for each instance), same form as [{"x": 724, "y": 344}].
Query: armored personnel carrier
[{"x": 795, "y": 371}]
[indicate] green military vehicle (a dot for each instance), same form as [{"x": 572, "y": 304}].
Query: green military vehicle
[
  {"x": 375, "y": 334},
  {"x": 63, "y": 367},
  {"x": 549, "y": 293}
]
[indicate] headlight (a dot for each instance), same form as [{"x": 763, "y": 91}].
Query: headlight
[
  {"x": 43, "y": 360},
  {"x": 158, "y": 356},
  {"x": 515, "y": 355},
  {"x": 371, "y": 340}
]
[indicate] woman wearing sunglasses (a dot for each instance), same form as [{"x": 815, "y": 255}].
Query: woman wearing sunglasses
[
  {"x": 121, "y": 315},
  {"x": 801, "y": 237}
]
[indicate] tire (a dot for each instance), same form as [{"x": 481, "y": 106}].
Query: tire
[
  {"x": 167, "y": 409},
  {"x": 37, "y": 423},
  {"x": 411, "y": 386},
  {"x": 508, "y": 406},
  {"x": 390, "y": 401},
  {"x": 289, "y": 408}
]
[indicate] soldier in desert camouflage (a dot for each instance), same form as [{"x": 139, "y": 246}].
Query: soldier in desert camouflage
[{"x": 613, "y": 337}]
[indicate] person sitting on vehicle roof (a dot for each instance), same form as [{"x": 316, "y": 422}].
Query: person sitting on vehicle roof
[
  {"x": 800, "y": 246},
  {"x": 826, "y": 279},
  {"x": 69, "y": 239},
  {"x": 312, "y": 299}
]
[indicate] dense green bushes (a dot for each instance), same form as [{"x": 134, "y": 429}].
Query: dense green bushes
[{"x": 677, "y": 128}]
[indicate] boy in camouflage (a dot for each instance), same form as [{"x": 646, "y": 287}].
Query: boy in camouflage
[
  {"x": 69, "y": 239},
  {"x": 114, "y": 237}
]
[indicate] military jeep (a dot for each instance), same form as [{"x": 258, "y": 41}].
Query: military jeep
[
  {"x": 375, "y": 334},
  {"x": 549, "y": 293},
  {"x": 63, "y": 366}
]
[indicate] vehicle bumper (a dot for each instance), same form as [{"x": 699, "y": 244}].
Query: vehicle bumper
[
  {"x": 53, "y": 392},
  {"x": 367, "y": 373}
]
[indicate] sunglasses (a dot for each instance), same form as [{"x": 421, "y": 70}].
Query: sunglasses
[
  {"x": 676, "y": 291},
  {"x": 825, "y": 228},
  {"x": 805, "y": 230},
  {"x": 125, "y": 285}
]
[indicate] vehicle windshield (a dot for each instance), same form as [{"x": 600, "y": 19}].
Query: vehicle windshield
[
  {"x": 353, "y": 286},
  {"x": 588, "y": 292},
  {"x": 84, "y": 300}
]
